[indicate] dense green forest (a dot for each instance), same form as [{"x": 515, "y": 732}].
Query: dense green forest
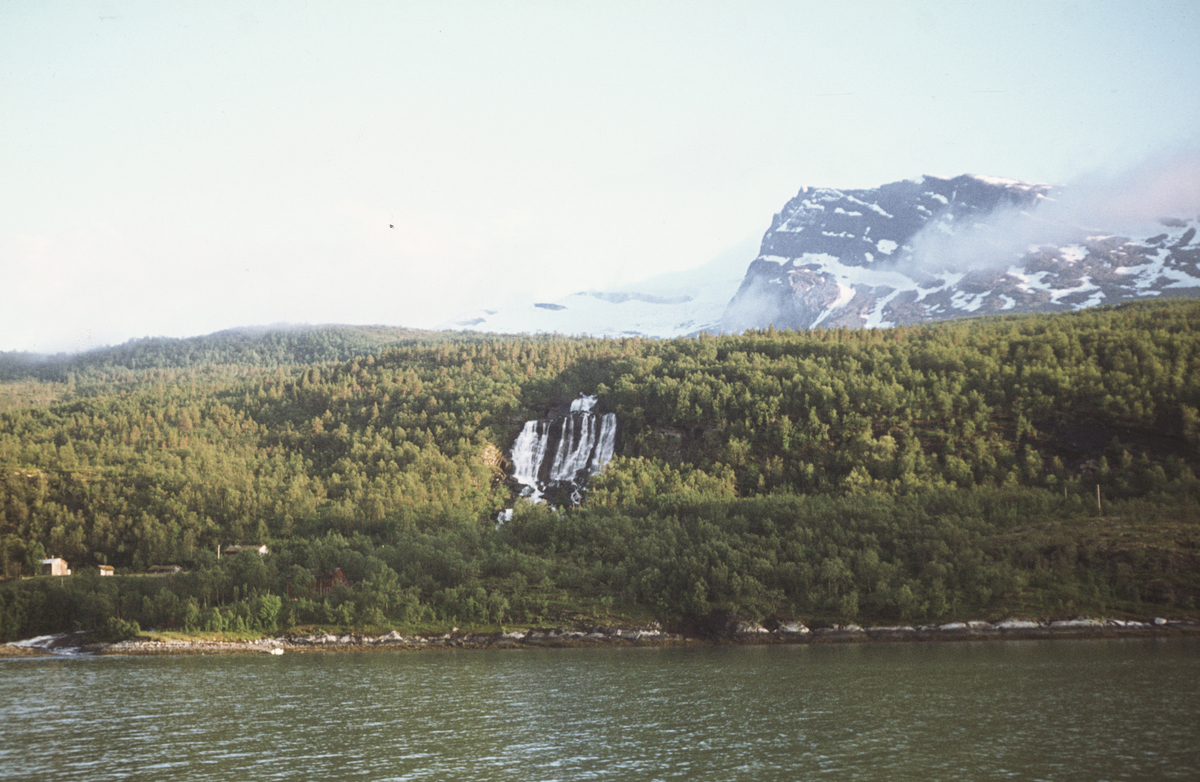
[{"x": 989, "y": 467}]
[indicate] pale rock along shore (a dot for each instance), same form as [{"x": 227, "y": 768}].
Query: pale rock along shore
[{"x": 739, "y": 633}]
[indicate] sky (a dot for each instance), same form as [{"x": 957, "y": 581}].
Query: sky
[{"x": 175, "y": 169}]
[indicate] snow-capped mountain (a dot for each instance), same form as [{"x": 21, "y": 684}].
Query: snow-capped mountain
[
  {"x": 903, "y": 253},
  {"x": 934, "y": 249}
]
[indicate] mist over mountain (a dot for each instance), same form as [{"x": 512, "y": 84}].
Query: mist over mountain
[
  {"x": 674, "y": 304},
  {"x": 911, "y": 252}
]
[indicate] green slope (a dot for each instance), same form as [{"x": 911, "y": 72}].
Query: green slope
[{"x": 901, "y": 474}]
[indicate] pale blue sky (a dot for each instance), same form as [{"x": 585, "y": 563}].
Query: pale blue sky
[{"x": 179, "y": 168}]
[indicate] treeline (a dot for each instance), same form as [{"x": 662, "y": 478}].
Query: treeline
[{"x": 904, "y": 473}]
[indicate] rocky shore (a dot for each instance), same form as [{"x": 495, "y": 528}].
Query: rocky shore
[
  {"x": 356, "y": 642},
  {"x": 1077, "y": 627},
  {"x": 734, "y": 633}
]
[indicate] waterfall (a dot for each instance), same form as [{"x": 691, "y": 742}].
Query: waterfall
[{"x": 562, "y": 452}]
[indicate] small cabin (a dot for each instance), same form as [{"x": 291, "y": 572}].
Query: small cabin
[
  {"x": 261, "y": 550},
  {"x": 55, "y": 567},
  {"x": 330, "y": 580},
  {"x": 106, "y": 570}
]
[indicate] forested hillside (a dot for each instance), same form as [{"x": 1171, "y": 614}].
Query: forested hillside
[
  {"x": 905, "y": 474},
  {"x": 32, "y": 378}
]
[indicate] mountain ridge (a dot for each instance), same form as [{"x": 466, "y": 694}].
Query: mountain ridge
[
  {"x": 935, "y": 249},
  {"x": 906, "y": 252}
]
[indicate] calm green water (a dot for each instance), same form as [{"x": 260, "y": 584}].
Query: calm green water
[{"x": 1062, "y": 710}]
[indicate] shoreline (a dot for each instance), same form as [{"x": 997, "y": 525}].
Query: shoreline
[{"x": 741, "y": 634}]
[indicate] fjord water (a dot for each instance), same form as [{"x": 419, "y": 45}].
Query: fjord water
[{"x": 1057, "y": 710}]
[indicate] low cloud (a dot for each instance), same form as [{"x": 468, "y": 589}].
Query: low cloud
[
  {"x": 1167, "y": 185},
  {"x": 1131, "y": 203}
]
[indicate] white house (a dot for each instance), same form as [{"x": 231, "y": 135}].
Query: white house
[{"x": 55, "y": 567}]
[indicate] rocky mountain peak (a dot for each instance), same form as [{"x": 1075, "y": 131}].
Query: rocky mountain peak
[{"x": 936, "y": 248}]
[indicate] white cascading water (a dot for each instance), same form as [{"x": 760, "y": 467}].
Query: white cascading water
[{"x": 563, "y": 450}]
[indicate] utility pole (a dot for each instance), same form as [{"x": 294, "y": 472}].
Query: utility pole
[{"x": 1098, "y": 509}]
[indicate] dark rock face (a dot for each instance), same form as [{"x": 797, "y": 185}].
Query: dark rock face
[{"x": 910, "y": 252}]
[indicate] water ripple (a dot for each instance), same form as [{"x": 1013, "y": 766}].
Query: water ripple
[{"x": 1029, "y": 710}]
